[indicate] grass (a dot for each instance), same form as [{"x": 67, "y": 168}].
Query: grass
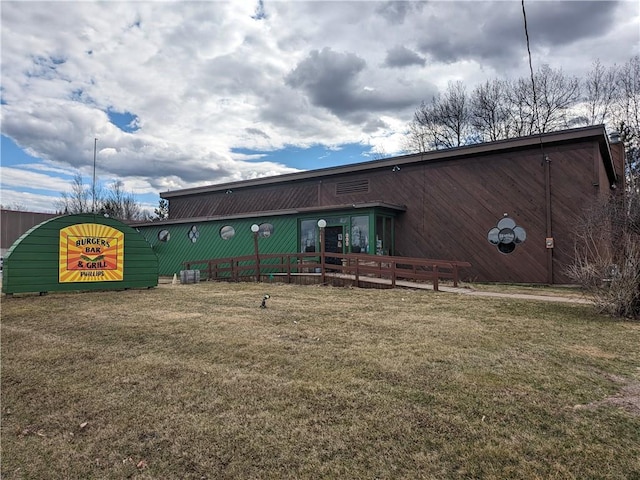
[{"x": 196, "y": 381}]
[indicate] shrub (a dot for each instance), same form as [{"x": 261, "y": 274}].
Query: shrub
[{"x": 607, "y": 255}]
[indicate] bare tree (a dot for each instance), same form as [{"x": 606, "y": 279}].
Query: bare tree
[
  {"x": 114, "y": 202},
  {"x": 599, "y": 93},
  {"x": 445, "y": 122},
  {"x": 15, "y": 206},
  {"x": 556, "y": 95},
  {"x": 521, "y": 111},
  {"x": 77, "y": 200},
  {"x": 489, "y": 111},
  {"x": 626, "y": 118},
  {"x": 120, "y": 204},
  {"x": 545, "y": 109},
  {"x": 607, "y": 254},
  {"x": 417, "y": 138}
]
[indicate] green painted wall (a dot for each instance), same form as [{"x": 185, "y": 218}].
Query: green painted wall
[
  {"x": 32, "y": 262},
  {"x": 180, "y": 247},
  {"x": 209, "y": 244}
]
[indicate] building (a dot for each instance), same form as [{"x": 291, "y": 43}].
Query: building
[
  {"x": 507, "y": 207},
  {"x": 14, "y": 223}
]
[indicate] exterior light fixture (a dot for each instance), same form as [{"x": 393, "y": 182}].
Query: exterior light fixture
[
  {"x": 255, "y": 228},
  {"x": 395, "y": 169},
  {"x": 322, "y": 223}
]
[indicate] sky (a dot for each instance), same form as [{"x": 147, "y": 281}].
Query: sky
[{"x": 184, "y": 94}]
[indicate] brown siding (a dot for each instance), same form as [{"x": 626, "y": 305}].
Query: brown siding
[
  {"x": 617, "y": 154},
  {"x": 574, "y": 185},
  {"x": 452, "y": 204},
  {"x": 255, "y": 199},
  {"x": 15, "y": 223}
]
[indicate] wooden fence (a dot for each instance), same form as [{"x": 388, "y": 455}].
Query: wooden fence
[{"x": 360, "y": 267}]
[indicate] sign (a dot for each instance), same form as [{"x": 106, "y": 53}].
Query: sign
[{"x": 90, "y": 252}]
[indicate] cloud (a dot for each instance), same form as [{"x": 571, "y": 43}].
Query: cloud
[
  {"x": 396, "y": 12},
  {"x": 493, "y": 32},
  {"x": 204, "y": 80},
  {"x": 18, "y": 177},
  {"x": 400, "y": 56},
  {"x": 329, "y": 78},
  {"x": 334, "y": 81}
]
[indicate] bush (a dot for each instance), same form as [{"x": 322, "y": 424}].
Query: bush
[{"x": 607, "y": 255}]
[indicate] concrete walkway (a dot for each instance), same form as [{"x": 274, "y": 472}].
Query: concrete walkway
[
  {"x": 467, "y": 291},
  {"x": 519, "y": 296}
]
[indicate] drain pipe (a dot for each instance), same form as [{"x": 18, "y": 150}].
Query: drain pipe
[{"x": 549, "y": 240}]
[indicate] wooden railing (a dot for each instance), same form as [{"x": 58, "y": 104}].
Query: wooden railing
[{"x": 359, "y": 266}]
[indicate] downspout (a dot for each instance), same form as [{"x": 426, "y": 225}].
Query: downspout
[{"x": 549, "y": 242}]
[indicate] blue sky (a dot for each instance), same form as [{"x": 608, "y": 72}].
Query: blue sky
[
  {"x": 185, "y": 94},
  {"x": 19, "y": 162}
]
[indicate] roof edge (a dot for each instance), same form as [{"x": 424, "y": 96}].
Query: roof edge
[{"x": 275, "y": 213}]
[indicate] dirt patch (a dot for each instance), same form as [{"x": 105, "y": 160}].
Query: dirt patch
[
  {"x": 628, "y": 398},
  {"x": 591, "y": 351}
]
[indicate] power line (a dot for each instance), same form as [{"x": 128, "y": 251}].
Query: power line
[{"x": 536, "y": 118}]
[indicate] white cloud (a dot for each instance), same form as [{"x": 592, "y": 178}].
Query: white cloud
[
  {"x": 205, "y": 78},
  {"x": 19, "y": 178}
]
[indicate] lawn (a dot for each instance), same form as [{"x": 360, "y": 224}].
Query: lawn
[{"x": 198, "y": 382}]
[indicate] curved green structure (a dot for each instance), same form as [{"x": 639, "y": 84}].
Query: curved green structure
[{"x": 79, "y": 252}]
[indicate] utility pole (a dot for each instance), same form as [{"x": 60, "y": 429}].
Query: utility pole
[{"x": 93, "y": 189}]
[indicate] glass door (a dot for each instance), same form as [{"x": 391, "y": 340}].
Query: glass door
[{"x": 334, "y": 243}]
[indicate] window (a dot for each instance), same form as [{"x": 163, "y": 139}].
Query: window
[
  {"x": 308, "y": 236},
  {"x": 227, "y": 232},
  {"x": 360, "y": 234},
  {"x": 164, "y": 235},
  {"x": 384, "y": 235}
]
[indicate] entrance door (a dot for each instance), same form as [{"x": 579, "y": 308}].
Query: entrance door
[{"x": 334, "y": 243}]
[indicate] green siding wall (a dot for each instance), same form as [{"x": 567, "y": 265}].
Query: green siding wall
[
  {"x": 209, "y": 244},
  {"x": 285, "y": 239},
  {"x": 32, "y": 263}
]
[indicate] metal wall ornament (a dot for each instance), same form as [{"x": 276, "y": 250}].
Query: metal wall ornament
[
  {"x": 265, "y": 230},
  {"x": 193, "y": 234},
  {"x": 506, "y": 235}
]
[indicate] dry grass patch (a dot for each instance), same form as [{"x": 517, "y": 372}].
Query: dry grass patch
[{"x": 196, "y": 381}]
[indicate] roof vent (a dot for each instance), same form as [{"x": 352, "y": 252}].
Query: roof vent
[{"x": 353, "y": 186}]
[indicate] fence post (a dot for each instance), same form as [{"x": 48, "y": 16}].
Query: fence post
[
  {"x": 322, "y": 224},
  {"x": 435, "y": 278},
  {"x": 255, "y": 229},
  {"x": 393, "y": 273}
]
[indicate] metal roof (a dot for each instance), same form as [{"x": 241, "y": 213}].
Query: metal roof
[{"x": 278, "y": 213}]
